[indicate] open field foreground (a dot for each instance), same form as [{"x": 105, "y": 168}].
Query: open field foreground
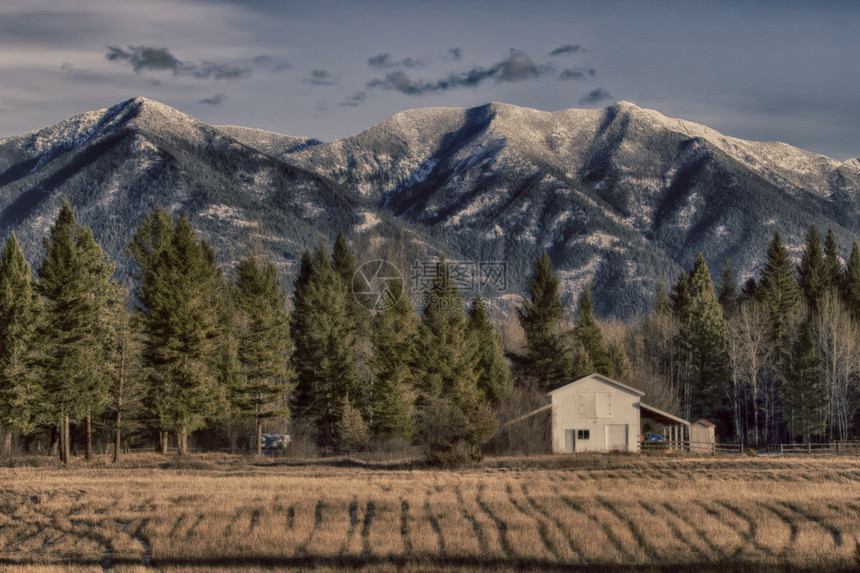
[{"x": 605, "y": 513}]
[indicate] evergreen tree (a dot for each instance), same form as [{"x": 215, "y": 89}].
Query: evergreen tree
[
  {"x": 662, "y": 304},
  {"x": 780, "y": 295},
  {"x": 179, "y": 293},
  {"x": 589, "y": 336},
  {"x": 74, "y": 281},
  {"x": 709, "y": 345},
  {"x": 358, "y": 307},
  {"x": 323, "y": 359},
  {"x": 494, "y": 376},
  {"x": 832, "y": 265},
  {"x": 19, "y": 310},
  {"x": 127, "y": 391},
  {"x": 352, "y": 428},
  {"x": 262, "y": 331},
  {"x": 727, "y": 290},
  {"x": 851, "y": 283},
  {"x": 805, "y": 398},
  {"x": 812, "y": 270},
  {"x": 447, "y": 357},
  {"x": 547, "y": 360},
  {"x": 395, "y": 340}
]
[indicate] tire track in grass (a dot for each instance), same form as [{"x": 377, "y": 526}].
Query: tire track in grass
[
  {"x": 716, "y": 549},
  {"x": 144, "y": 542},
  {"x": 302, "y": 549},
  {"x": 476, "y": 527},
  {"x": 669, "y": 520},
  {"x": 638, "y": 535},
  {"x": 191, "y": 530},
  {"x": 404, "y": 528},
  {"x": 607, "y": 530},
  {"x": 574, "y": 548},
  {"x": 752, "y": 530},
  {"x": 434, "y": 524},
  {"x": 790, "y": 522},
  {"x": 353, "y": 525},
  {"x": 369, "y": 512},
  {"x": 834, "y": 532},
  {"x": 500, "y": 525},
  {"x": 542, "y": 525}
]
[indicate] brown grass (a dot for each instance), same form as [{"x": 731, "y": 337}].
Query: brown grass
[{"x": 609, "y": 513}]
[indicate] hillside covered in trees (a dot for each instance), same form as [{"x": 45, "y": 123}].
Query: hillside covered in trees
[{"x": 187, "y": 355}]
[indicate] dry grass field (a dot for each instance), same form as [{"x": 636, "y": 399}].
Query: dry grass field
[{"x": 603, "y": 513}]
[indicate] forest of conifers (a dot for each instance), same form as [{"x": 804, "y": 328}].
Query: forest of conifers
[{"x": 189, "y": 353}]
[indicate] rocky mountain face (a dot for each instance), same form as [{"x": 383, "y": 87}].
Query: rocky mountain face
[{"x": 620, "y": 197}]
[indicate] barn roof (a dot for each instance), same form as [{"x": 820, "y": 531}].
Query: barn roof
[
  {"x": 601, "y": 378},
  {"x": 660, "y": 416}
]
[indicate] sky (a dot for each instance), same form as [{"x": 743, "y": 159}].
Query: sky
[{"x": 762, "y": 70}]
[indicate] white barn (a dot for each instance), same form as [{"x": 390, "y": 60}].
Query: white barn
[{"x": 595, "y": 414}]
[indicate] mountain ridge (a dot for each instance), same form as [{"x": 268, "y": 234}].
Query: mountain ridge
[{"x": 621, "y": 196}]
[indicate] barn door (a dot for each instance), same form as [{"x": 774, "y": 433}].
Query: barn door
[
  {"x": 616, "y": 437},
  {"x": 570, "y": 440}
]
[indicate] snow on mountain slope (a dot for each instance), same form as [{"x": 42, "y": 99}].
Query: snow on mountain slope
[{"x": 620, "y": 197}]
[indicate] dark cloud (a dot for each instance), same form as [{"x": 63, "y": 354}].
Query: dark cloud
[
  {"x": 596, "y": 96},
  {"x": 379, "y": 61},
  {"x": 354, "y": 100},
  {"x": 321, "y": 78},
  {"x": 517, "y": 67},
  {"x": 383, "y": 61},
  {"x": 160, "y": 59},
  {"x": 576, "y": 73},
  {"x": 566, "y": 50},
  {"x": 270, "y": 64},
  {"x": 216, "y": 99},
  {"x": 145, "y": 58}
]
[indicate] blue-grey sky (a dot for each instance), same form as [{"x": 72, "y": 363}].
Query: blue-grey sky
[{"x": 781, "y": 70}]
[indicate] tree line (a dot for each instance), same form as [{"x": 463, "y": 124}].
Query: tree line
[
  {"x": 188, "y": 350},
  {"x": 776, "y": 359}
]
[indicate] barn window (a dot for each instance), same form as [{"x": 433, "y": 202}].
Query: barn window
[{"x": 583, "y": 434}]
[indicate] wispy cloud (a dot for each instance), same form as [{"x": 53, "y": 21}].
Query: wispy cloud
[
  {"x": 577, "y": 73},
  {"x": 383, "y": 61},
  {"x": 216, "y": 99},
  {"x": 567, "y": 50},
  {"x": 595, "y": 96},
  {"x": 147, "y": 58},
  {"x": 321, "y": 78},
  {"x": 518, "y": 66},
  {"x": 354, "y": 100}
]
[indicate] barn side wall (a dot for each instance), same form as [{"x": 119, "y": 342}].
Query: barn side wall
[{"x": 574, "y": 409}]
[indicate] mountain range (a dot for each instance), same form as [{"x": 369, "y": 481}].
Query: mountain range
[{"x": 620, "y": 197}]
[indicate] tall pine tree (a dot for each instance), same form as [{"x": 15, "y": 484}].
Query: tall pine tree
[
  {"x": 812, "y": 270},
  {"x": 323, "y": 359},
  {"x": 494, "y": 376},
  {"x": 263, "y": 337},
  {"x": 19, "y": 309},
  {"x": 180, "y": 293},
  {"x": 74, "y": 281},
  {"x": 780, "y": 294},
  {"x": 588, "y": 335},
  {"x": 395, "y": 344},
  {"x": 547, "y": 361}
]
